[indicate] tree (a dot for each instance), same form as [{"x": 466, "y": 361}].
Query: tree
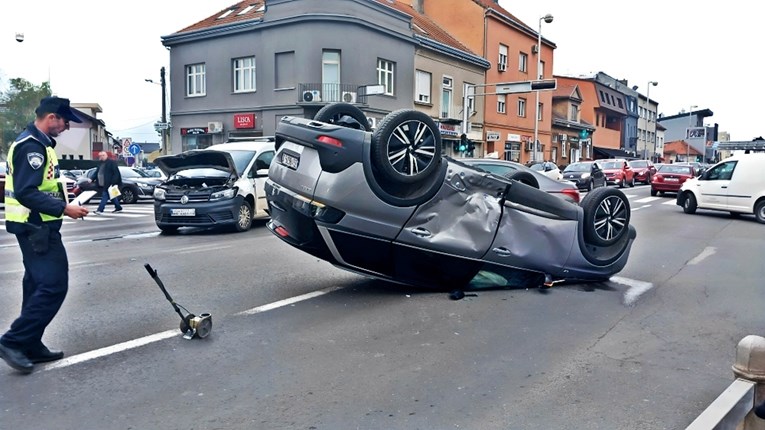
[{"x": 17, "y": 108}]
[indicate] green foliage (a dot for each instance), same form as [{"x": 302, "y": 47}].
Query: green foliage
[{"x": 17, "y": 108}]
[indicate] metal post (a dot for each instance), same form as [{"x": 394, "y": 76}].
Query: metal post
[
  {"x": 548, "y": 19},
  {"x": 648, "y": 120},
  {"x": 164, "y": 109},
  {"x": 750, "y": 365}
]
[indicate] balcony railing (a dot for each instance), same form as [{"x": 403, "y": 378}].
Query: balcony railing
[{"x": 330, "y": 93}]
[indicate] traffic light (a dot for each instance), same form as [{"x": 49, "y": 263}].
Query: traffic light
[{"x": 583, "y": 134}]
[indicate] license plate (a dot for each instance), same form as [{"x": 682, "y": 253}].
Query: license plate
[
  {"x": 183, "y": 212},
  {"x": 290, "y": 161},
  {"x": 671, "y": 179}
]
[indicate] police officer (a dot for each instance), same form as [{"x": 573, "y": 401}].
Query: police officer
[{"x": 35, "y": 204}]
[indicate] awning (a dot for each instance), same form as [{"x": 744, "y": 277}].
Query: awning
[{"x": 611, "y": 153}]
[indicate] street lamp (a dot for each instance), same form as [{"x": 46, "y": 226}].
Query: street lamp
[
  {"x": 164, "y": 107},
  {"x": 688, "y": 143},
  {"x": 648, "y": 119},
  {"x": 548, "y": 19}
]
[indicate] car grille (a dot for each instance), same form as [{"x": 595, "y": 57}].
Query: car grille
[{"x": 193, "y": 197}]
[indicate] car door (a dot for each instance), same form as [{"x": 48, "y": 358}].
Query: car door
[
  {"x": 598, "y": 177},
  {"x": 712, "y": 187},
  {"x": 257, "y": 175}
]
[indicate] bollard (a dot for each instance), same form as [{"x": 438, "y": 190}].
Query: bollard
[{"x": 750, "y": 365}]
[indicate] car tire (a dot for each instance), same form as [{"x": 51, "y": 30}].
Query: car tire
[
  {"x": 523, "y": 177},
  {"x": 689, "y": 204},
  {"x": 622, "y": 182},
  {"x": 129, "y": 195},
  {"x": 168, "y": 230},
  {"x": 244, "y": 217},
  {"x": 406, "y": 147},
  {"x": 343, "y": 114},
  {"x": 759, "y": 211},
  {"x": 632, "y": 182},
  {"x": 654, "y": 192},
  {"x": 590, "y": 185},
  {"x": 606, "y": 216}
]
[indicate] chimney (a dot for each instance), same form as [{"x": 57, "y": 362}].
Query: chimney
[{"x": 418, "y": 6}]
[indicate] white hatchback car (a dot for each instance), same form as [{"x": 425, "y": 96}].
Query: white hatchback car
[
  {"x": 736, "y": 185},
  {"x": 547, "y": 168},
  {"x": 221, "y": 185}
]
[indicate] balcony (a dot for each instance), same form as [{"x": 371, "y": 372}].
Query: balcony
[{"x": 330, "y": 93}]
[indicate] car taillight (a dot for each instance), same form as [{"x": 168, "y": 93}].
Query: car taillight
[
  {"x": 572, "y": 192},
  {"x": 658, "y": 178},
  {"x": 281, "y": 231},
  {"x": 330, "y": 141}
]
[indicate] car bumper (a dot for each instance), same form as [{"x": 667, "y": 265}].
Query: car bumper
[
  {"x": 206, "y": 214},
  {"x": 664, "y": 186}
]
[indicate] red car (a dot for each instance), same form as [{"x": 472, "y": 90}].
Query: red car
[
  {"x": 618, "y": 171},
  {"x": 670, "y": 177},
  {"x": 644, "y": 170}
]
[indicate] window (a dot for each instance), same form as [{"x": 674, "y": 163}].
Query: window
[
  {"x": 540, "y": 109},
  {"x": 621, "y": 106},
  {"x": 470, "y": 94},
  {"x": 523, "y": 62},
  {"x": 502, "y": 63},
  {"x": 522, "y": 107},
  {"x": 422, "y": 87},
  {"x": 602, "y": 97},
  {"x": 385, "y": 75},
  {"x": 330, "y": 75},
  {"x": 195, "y": 80},
  {"x": 541, "y": 69},
  {"x": 573, "y": 113},
  {"x": 501, "y": 103},
  {"x": 285, "y": 69},
  {"x": 247, "y": 9},
  {"x": 244, "y": 74},
  {"x": 446, "y": 97}
]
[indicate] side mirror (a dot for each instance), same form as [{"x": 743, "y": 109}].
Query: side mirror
[{"x": 262, "y": 173}]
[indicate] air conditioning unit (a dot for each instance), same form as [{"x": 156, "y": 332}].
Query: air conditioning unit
[
  {"x": 372, "y": 122},
  {"x": 529, "y": 146},
  {"x": 312, "y": 96},
  {"x": 501, "y": 67},
  {"x": 534, "y": 48},
  {"x": 349, "y": 96},
  {"x": 214, "y": 127}
]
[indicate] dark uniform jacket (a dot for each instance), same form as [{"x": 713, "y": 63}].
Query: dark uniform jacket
[
  {"x": 27, "y": 179},
  {"x": 111, "y": 173}
]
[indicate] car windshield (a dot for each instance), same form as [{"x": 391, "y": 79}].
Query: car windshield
[
  {"x": 241, "y": 160},
  {"x": 669, "y": 168},
  {"x": 539, "y": 167},
  {"x": 578, "y": 167},
  {"x": 612, "y": 164},
  {"x": 127, "y": 172},
  {"x": 497, "y": 169},
  {"x": 638, "y": 164}
]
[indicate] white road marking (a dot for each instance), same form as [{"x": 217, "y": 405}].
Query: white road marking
[
  {"x": 707, "y": 252},
  {"x": 135, "y": 343},
  {"x": 641, "y": 207},
  {"x": 203, "y": 249},
  {"x": 637, "y": 288},
  {"x": 286, "y": 302},
  {"x": 630, "y": 196},
  {"x": 670, "y": 202},
  {"x": 647, "y": 199}
]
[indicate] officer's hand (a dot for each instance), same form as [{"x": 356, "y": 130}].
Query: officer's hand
[{"x": 75, "y": 211}]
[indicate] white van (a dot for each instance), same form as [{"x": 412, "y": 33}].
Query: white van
[{"x": 736, "y": 185}]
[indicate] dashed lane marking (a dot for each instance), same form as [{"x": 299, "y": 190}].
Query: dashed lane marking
[
  {"x": 636, "y": 288},
  {"x": 707, "y": 252}
]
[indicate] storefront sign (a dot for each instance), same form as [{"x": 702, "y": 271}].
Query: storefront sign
[
  {"x": 448, "y": 129},
  {"x": 244, "y": 120},
  {"x": 513, "y": 137},
  {"x": 492, "y": 136},
  {"x": 193, "y": 130}
]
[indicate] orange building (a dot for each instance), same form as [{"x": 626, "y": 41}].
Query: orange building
[{"x": 511, "y": 47}]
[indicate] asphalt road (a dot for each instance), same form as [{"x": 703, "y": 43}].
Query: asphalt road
[{"x": 299, "y": 344}]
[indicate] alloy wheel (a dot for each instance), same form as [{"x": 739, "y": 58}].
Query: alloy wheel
[
  {"x": 610, "y": 218},
  {"x": 411, "y": 147}
]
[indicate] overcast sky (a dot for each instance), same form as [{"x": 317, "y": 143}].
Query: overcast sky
[{"x": 705, "y": 54}]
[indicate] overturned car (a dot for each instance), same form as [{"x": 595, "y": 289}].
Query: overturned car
[{"x": 387, "y": 204}]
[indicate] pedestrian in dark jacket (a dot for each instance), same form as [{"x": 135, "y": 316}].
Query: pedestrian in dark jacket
[{"x": 107, "y": 174}]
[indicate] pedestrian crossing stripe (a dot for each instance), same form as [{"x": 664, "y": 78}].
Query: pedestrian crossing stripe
[
  {"x": 670, "y": 202},
  {"x": 648, "y": 199}
]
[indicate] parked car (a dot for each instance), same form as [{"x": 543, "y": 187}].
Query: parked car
[
  {"x": 698, "y": 168},
  {"x": 670, "y": 177},
  {"x": 644, "y": 170},
  {"x": 218, "y": 186},
  {"x": 736, "y": 184},
  {"x": 135, "y": 186},
  {"x": 618, "y": 171},
  {"x": 566, "y": 190},
  {"x": 547, "y": 168},
  {"x": 586, "y": 175},
  {"x": 386, "y": 204}
]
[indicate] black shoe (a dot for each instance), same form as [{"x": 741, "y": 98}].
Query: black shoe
[
  {"x": 45, "y": 355},
  {"x": 117, "y": 210},
  {"x": 16, "y": 359}
]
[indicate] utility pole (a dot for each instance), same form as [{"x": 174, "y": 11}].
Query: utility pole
[{"x": 164, "y": 110}]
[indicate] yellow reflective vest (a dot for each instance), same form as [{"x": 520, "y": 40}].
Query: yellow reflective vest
[{"x": 50, "y": 185}]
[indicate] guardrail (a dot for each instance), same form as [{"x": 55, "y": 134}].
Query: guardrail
[{"x": 735, "y": 407}]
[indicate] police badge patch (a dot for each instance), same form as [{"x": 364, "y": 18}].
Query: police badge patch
[{"x": 35, "y": 160}]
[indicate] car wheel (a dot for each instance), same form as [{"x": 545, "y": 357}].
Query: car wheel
[
  {"x": 632, "y": 182},
  {"x": 129, "y": 195},
  {"x": 689, "y": 205},
  {"x": 406, "y": 147},
  {"x": 168, "y": 229},
  {"x": 622, "y": 182},
  {"x": 523, "y": 177},
  {"x": 606, "y": 216},
  {"x": 343, "y": 114},
  {"x": 654, "y": 192},
  {"x": 244, "y": 217},
  {"x": 759, "y": 211},
  {"x": 590, "y": 185}
]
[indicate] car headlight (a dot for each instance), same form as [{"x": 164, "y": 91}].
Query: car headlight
[
  {"x": 585, "y": 175},
  {"x": 221, "y": 195},
  {"x": 159, "y": 193}
]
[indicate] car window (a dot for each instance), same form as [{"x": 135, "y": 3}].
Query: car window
[
  {"x": 612, "y": 164},
  {"x": 539, "y": 167},
  {"x": 638, "y": 164},
  {"x": 722, "y": 172},
  {"x": 669, "y": 168},
  {"x": 264, "y": 160},
  {"x": 497, "y": 169},
  {"x": 241, "y": 159},
  {"x": 578, "y": 167},
  {"x": 127, "y": 172}
]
